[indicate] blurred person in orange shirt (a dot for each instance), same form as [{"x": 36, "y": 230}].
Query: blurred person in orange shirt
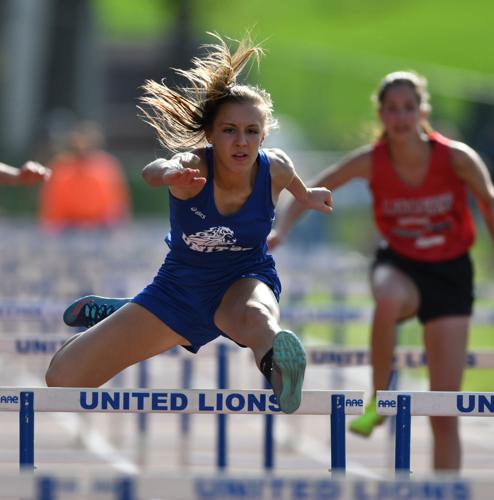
[
  {"x": 87, "y": 188},
  {"x": 30, "y": 174}
]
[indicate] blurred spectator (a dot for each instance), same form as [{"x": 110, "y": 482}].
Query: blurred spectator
[
  {"x": 29, "y": 174},
  {"x": 87, "y": 188}
]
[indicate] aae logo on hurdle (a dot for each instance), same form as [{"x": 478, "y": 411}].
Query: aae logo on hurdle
[
  {"x": 386, "y": 403},
  {"x": 9, "y": 399}
]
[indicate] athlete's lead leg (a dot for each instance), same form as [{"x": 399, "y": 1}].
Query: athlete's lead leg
[{"x": 249, "y": 314}]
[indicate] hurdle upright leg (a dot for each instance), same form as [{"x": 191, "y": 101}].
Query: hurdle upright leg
[
  {"x": 338, "y": 458},
  {"x": 45, "y": 488},
  {"x": 142, "y": 418},
  {"x": 185, "y": 418},
  {"x": 26, "y": 430},
  {"x": 222, "y": 384},
  {"x": 268, "y": 437},
  {"x": 125, "y": 489},
  {"x": 403, "y": 433}
]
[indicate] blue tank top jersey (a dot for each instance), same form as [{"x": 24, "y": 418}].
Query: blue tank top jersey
[
  {"x": 201, "y": 236},
  {"x": 209, "y": 252}
]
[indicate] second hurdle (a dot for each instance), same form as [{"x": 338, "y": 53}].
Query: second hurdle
[{"x": 404, "y": 405}]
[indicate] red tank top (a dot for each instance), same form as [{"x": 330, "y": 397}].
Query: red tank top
[{"x": 430, "y": 222}]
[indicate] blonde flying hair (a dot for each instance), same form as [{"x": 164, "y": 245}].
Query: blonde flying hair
[
  {"x": 181, "y": 117},
  {"x": 417, "y": 82}
]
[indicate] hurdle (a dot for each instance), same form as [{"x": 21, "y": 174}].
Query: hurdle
[
  {"x": 28, "y": 401},
  {"x": 294, "y": 315},
  {"x": 317, "y": 355},
  {"x": 41, "y": 343},
  {"x": 56, "y": 486},
  {"x": 404, "y": 357},
  {"x": 404, "y": 405},
  {"x": 332, "y": 357}
]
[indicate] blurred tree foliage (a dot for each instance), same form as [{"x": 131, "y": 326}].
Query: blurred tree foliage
[{"x": 324, "y": 58}]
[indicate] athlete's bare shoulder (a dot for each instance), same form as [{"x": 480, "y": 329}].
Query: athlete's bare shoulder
[
  {"x": 278, "y": 157},
  {"x": 281, "y": 165},
  {"x": 471, "y": 168},
  {"x": 360, "y": 157},
  {"x": 460, "y": 149},
  {"x": 463, "y": 156}
]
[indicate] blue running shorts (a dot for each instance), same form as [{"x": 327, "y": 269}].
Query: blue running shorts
[{"x": 186, "y": 298}]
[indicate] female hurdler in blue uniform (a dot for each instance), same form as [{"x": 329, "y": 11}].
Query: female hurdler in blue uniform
[{"x": 218, "y": 278}]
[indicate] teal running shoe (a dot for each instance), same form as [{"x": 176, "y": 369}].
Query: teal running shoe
[
  {"x": 289, "y": 360},
  {"x": 91, "y": 309}
]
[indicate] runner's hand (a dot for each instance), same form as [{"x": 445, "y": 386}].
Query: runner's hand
[
  {"x": 181, "y": 171},
  {"x": 319, "y": 199},
  {"x": 32, "y": 173},
  {"x": 274, "y": 239}
]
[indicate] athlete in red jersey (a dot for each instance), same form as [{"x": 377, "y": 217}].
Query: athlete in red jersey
[
  {"x": 430, "y": 221},
  {"x": 418, "y": 180}
]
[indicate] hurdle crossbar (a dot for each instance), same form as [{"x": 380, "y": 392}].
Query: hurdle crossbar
[
  {"x": 428, "y": 403},
  {"x": 62, "y": 399}
]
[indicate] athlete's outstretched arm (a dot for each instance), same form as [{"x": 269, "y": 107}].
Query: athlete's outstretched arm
[
  {"x": 357, "y": 164},
  {"x": 470, "y": 167},
  {"x": 315, "y": 198},
  {"x": 180, "y": 171},
  {"x": 284, "y": 176},
  {"x": 29, "y": 174}
]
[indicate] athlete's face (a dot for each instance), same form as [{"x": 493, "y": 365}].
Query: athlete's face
[
  {"x": 237, "y": 134},
  {"x": 400, "y": 112}
]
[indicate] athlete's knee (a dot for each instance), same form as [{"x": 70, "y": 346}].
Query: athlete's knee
[
  {"x": 59, "y": 374},
  {"x": 389, "y": 305},
  {"x": 256, "y": 316},
  {"x": 53, "y": 376}
]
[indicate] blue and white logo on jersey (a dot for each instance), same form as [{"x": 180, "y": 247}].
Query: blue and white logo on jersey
[
  {"x": 197, "y": 212},
  {"x": 214, "y": 239}
]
